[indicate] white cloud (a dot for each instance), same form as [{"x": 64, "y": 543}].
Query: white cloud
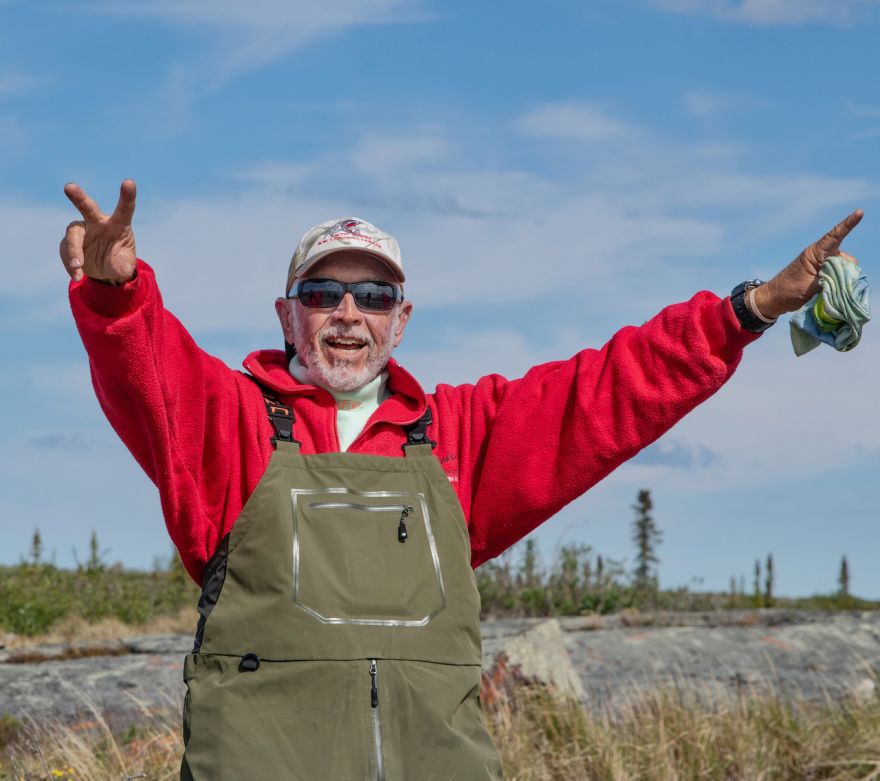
[
  {"x": 385, "y": 157},
  {"x": 771, "y": 12},
  {"x": 275, "y": 175},
  {"x": 862, "y": 110},
  {"x": 642, "y": 214},
  {"x": 268, "y": 15},
  {"x": 29, "y": 260},
  {"x": 462, "y": 356},
  {"x": 573, "y": 122},
  {"x": 248, "y": 36},
  {"x": 222, "y": 263},
  {"x": 705, "y": 103},
  {"x": 15, "y": 83},
  {"x": 73, "y": 380},
  {"x": 818, "y": 432},
  {"x": 866, "y": 134}
]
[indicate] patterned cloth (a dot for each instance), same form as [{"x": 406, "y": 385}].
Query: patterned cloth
[{"x": 836, "y": 314}]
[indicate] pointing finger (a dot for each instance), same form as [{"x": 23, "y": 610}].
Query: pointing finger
[
  {"x": 87, "y": 207},
  {"x": 831, "y": 240},
  {"x": 125, "y": 207}
]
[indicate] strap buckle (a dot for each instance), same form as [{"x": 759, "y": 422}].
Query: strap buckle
[
  {"x": 282, "y": 420},
  {"x": 417, "y": 433}
]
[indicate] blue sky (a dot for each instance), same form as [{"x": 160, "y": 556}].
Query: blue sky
[{"x": 552, "y": 172}]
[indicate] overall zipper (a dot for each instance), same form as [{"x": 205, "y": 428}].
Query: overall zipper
[
  {"x": 403, "y": 509},
  {"x": 374, "y": 714}
]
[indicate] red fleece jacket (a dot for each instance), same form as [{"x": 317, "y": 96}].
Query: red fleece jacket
[{"x": 515, "y": 451}]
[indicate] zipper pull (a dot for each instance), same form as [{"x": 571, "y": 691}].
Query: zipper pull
[
  {"x": 402, "y": 533},
  {"x": 374, "y": 686}
]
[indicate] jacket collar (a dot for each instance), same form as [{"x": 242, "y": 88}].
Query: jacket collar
[{"x": 406, "y": 405}]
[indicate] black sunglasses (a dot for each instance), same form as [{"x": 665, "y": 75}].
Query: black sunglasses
[{"x": 370, "y": 296}]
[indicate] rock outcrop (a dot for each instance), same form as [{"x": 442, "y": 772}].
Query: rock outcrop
[{"x": 608, "y": 663}]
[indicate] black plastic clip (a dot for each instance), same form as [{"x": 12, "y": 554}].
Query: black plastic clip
[
  {"x": 282, "y": 420},
  {"x": 249, "y": 663},
  {"x": 417, "y": 433}
]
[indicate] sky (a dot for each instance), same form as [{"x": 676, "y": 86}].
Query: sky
[{"x": 553, "y": 172}]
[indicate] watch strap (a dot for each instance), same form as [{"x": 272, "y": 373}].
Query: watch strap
[{"x": 747, "y": 318}]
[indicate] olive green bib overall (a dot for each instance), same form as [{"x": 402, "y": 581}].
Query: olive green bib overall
[{"x": 340, "y": 635}]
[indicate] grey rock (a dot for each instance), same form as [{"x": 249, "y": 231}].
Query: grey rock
[
  {"x": 864, "y": 691},
  {"x": 610, "y": 663},
  {"x": 811, "y": 660},
  {"x": 118, "y": 690},
  {"x": 537, "y": 653},
  {"x": 159, "y": 644}
]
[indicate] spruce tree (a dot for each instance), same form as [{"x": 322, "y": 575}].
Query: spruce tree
[
  {"x": 757, "y": 593},
  {"x": 95, "y": 563},
  {"x": 646, "y": 537},
  {"x": 36, "y": 547},
  {"x": 843, "y": 578},
  {"x": 768, "y": 582}
]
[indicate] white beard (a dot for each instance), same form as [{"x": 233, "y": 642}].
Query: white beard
[{"x": 339, "y": 375}]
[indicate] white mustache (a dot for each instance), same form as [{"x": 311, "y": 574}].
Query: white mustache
[{"x": 342, "y": 332}]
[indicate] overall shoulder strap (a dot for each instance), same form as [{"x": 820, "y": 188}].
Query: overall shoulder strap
[
  {"x": 417, "y": 442},
  {"x": 280, "y": 415}
]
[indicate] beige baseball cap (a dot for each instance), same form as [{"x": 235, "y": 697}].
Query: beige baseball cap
[{"x": 348, "y": 233}]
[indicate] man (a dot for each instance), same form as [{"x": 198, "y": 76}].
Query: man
[{"x": 332, "y": 510}]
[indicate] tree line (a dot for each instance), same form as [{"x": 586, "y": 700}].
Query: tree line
[{"x": 577, "y": 580}]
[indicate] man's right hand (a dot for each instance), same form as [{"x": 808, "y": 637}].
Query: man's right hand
[{"x": 99, "y": 246}]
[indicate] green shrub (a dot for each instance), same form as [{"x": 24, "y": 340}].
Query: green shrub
[{"x": 34, "y": 595}]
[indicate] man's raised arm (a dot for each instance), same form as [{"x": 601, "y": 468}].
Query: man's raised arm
[
  {"x": 539, "y": 442},
  {"x": 178, "y": 409}
]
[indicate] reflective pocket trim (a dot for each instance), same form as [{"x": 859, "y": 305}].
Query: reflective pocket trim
[{"x": 406, "y": 499}]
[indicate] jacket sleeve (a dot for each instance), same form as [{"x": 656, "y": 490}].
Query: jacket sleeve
[
  {"x": 190, "y": 421},
  {"x": 534, "y": 444}
]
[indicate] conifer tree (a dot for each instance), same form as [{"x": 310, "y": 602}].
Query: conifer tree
[
  {"x": 95, "y": 563},
  {"x": 757, "y": 593},
  {"x": 36, "y": 547},
  {"x": 600, "y": 573},
  {"x": 768, "y": 582},
  {"x": 843, "y": 578},
  {"x": 646, "y": 537}
]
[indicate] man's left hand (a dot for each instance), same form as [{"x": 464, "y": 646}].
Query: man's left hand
[{"x": 798, "y": 282}]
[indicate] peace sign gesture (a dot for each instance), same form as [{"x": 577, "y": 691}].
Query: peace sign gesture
[
  {"x": 798, "y": 282},
  {"x": 99, "y": 246}
]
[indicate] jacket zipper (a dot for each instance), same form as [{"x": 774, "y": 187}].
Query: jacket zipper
[{"x": 377, "y": 725}]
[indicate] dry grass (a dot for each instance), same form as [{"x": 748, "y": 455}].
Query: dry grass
[
  {"x": 89, "y": 751},
  {"x": 663, "y": 738}
]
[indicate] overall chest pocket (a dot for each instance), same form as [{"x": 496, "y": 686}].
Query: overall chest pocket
[{"x": 365, "y": 557}]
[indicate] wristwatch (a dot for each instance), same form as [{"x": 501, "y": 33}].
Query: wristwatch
[{"x": 748, "y": 319}]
